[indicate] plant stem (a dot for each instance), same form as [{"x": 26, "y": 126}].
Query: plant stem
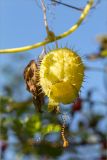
[{"x": 45, "y": 18}]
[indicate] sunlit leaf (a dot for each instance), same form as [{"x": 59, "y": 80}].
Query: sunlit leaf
[
  {"x": 50, "y": 128},
  {"x": 104, "y": 53}
]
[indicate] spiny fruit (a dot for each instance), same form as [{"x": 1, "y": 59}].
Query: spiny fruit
[{"x": 61, "y": 75}]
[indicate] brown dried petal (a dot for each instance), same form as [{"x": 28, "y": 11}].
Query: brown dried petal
[{"x": 31, "y": 77}]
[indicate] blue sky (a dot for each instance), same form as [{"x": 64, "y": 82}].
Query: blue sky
[{"x": 21, "y": 23}]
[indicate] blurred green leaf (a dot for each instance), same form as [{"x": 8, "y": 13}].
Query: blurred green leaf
[
  {"x": 49, "y": 150},
  {"x": 49, "y": 128},
  {"x": 104, "y": 53},
  {"x": 4, "y": 103},
  {"x": 3, "y": 129},
  {"x": 33, "y": 124}
]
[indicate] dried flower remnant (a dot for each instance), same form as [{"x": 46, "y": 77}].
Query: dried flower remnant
[{"x": 31, "y": 76}]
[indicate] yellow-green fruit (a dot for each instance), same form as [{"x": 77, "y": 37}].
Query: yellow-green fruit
[{"x": 61, "y": 75}]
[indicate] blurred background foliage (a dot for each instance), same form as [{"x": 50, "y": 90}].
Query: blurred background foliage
[{"x": 28, "y": 134}]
